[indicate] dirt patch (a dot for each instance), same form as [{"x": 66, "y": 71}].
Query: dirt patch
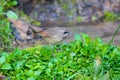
[
  {"x": 99, "y": 30},
  {"x": 102, "y": 30}
]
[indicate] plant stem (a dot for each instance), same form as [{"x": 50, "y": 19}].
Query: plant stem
[{"x": 116, "y": 31}]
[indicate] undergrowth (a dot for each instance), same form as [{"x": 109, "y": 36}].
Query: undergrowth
[
  {"x": 110, "y": 16},
  {"x": 82, "y": 59},
  {"x": 5, "y": 31}
]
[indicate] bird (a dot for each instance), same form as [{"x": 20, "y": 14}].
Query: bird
[{"x": 54, "y": 34}]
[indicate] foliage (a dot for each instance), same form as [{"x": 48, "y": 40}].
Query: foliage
[
  {"x": 5, "y": 5},
  {"x": 5, "y": 32},
  {"x": 26, "y": 18},
  {"x": 82, "y": 59},
  {"x": 5, "y": 35},
  {"x": 79, "y": 19},
  {"x": 68, "y": 6},
  {"x": 110, "y": 16},
  {"x": 11, "y": 15}
]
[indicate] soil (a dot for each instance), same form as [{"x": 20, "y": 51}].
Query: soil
[{"x": 104, "y": 31}]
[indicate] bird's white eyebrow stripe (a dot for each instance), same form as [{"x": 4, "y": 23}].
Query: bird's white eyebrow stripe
[{"x": 66, "y": 34}]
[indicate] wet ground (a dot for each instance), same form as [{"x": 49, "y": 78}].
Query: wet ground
[{"x": 101, "y": 30}]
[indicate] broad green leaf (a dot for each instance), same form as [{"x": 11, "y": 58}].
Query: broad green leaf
[
  {"x": 2, "y": 60},
  {"x": 31, "y": 78},
  {"x": 77, "y": 37},
  {"x": 37, "y": 73},
  {"x": 11, "y": 15},
  {"x": 36, "y": 67},
  {"x": 6, "y": 66},
  {"x": 72, "y": 54},
  {"x": 14, "y": 2},
  {"x": 48, "y": 70},
  {"x": 50, "y": 65},
  {"x": 30, "y": 73},
  {"x": 19, "y": 64},
  {"x": 1, "y": 10}
]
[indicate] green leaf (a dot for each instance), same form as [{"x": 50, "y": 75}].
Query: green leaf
[
  {"x": 14, "y": 2},
  {"x": 36, "y": 67},
  {"x": 72, "y": 54},
  {"x": 30, "y": 73},
  {"x": 2, "y": 60},
  {"x": 19, "y": 64},
  {"x": 1, "y": 10},
  {"x": 77, "y": 37},
  {"x": 50, "y": 65},
  {"x": 48, "y": 70},
  {"x": 37, "y": 72},
  {"x": 6, "y": 66},
  {"x": 31, "y": 78},
  {"x": 79, "y": 19},
  {"x": 11, "y": 15}
]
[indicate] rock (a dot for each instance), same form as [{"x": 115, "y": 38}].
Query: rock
[
  {"x": 2, "y": 77},
  {"x": 107, "y": 6},
  {"x": 23, "y": 1},
  {"x": 30, "y": 34},
  {"x": 20, "y": 25},
  {"x": 116, "y": 7},
  {"x": 15, "y": 32},
  {"x": 52, "y": 10},
  {"x": 21, "y": 43},
  {"x": 36, "y": 29},
  {"x": 23, "y": 35},
  {"x": 21, "y": 31},
  {"x": 15, "y": 43}
]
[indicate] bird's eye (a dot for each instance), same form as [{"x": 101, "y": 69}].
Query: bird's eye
[{"x": 66, "y": 32}]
